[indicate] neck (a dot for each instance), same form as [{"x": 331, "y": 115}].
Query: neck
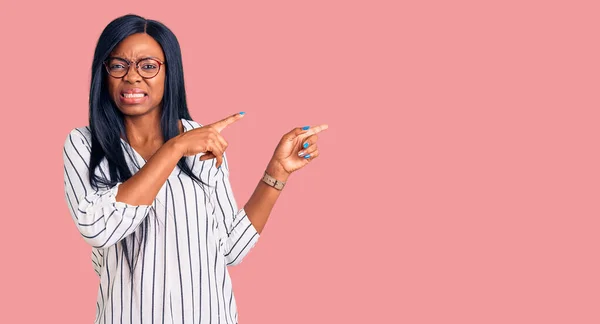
[{"x": 146, "y": 129}]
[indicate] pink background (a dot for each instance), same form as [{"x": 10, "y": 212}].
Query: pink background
[{"x": 458, "y": 182}]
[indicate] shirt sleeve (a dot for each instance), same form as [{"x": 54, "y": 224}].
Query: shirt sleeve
[
  {"x": 237, "y": 232},
  {"x": 101, "y": 220}
]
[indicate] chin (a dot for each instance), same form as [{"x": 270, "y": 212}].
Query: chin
[{"x": 135, "y": 110}]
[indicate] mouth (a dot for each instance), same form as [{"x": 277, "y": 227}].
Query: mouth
[
  {"x": 133, "y": 96},
  {"x": 133, "y": 93}
]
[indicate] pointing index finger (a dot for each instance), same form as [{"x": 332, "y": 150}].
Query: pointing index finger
[
  {"x": 316, "y": 129},
  {"x": 220, "y": 125}
]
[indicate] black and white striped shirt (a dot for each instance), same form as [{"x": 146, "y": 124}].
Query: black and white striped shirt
[{"x": 192, "y": 236}]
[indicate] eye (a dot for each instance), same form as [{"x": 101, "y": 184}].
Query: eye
[
  {"x": 116, "y": 64},
  {"x": 149, "y": 66}
]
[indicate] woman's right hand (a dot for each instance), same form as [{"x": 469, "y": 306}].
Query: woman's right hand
[{"x": 206, "y": 139}]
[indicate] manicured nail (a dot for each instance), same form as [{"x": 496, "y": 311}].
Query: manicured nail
[
  {"x": 305, "y": 145},
  {"x": 305, "y": 127},
  {"x": 242, "y": 113},
  {"x": 307, "y": 156},
  {"x": 301, "y": 153}
]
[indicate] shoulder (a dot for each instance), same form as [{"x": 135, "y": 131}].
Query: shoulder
[
  {"x": 79, "y": 136},
  {"x": 189, "y": 124}
]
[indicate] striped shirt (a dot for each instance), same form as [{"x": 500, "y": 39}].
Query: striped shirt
[{"x": 192, "y": 236}]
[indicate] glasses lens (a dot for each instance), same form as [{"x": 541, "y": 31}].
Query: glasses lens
[
  {"x": 148, "y": 68},
  {"x": 117, "y": 67}
]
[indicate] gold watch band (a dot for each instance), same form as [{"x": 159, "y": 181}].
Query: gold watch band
[{"x": 272, "y": 181}]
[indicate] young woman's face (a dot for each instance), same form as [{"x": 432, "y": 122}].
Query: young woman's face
[{"x": 140, "y": 90}]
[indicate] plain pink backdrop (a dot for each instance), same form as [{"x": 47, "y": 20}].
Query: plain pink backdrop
[{"x": 458, "y": 182}]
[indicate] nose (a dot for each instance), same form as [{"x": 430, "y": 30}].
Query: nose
[{"x": 132, "y": 75}]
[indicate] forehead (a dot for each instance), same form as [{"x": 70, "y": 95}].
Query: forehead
[{"x": 138, "y": 45}]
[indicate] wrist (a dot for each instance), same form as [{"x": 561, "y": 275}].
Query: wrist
[
  {"x": 175, "y": 147},
  {"x": 276, "y": 170}
]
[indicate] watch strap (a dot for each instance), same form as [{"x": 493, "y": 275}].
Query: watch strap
[{"x": 272, "y": 181}]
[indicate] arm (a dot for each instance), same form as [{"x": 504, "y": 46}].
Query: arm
[
  {"x": 144, "y": 185},
  {"x": 295, "y": 150},
  {"x": 261, "y": 203},
  {"x": 241, "y": 228},
  {"x": 107, "y": 215}
]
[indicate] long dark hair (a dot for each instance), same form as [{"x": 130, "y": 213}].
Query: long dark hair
[{"x": 106, "y": 120}]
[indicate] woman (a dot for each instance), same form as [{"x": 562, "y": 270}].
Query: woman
[{"x": 149, "y": 190}]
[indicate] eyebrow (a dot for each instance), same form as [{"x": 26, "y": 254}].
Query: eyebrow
[{"x": 139, "y": 59}]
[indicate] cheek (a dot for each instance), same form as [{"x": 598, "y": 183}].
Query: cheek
[
  {"x": 158, "y": 89},
  {"x": 112, "y": 86}
]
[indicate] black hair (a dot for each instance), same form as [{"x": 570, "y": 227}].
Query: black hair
[{"x": 106, "y": 120}]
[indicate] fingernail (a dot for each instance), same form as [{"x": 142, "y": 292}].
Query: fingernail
[
  {"x": 305, "y": 127},
  {"x": 300, "y": 153},
  {"x": 307, "y": 156},
  {"x": 305, "y": 145},
  {"x": 242, "y": 113}
]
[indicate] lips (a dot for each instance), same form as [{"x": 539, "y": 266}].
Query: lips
[{"x": 133, "y": 96}]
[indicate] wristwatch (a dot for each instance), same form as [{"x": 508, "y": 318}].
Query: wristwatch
[{"x": 272, "y": 181}]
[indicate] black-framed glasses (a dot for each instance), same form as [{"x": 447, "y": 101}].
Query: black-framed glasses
[{"x": 147, "y": 67}]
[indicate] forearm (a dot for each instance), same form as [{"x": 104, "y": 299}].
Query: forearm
[
  {"x": 142, "y": 187},
  {"x": 259, "y": 206}
]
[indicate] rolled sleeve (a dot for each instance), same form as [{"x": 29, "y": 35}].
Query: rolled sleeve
[
  {"x": 238, "y": 234},
  {"x": 101, "y": 220}
]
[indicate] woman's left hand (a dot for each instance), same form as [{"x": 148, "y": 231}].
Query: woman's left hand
[{"x": 295, "y": 150}]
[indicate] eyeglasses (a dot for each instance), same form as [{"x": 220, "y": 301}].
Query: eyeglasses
[{"x": 147, "y": 68}]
